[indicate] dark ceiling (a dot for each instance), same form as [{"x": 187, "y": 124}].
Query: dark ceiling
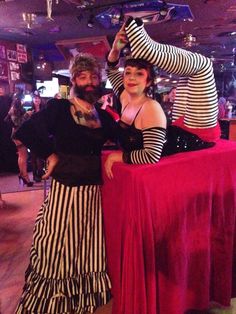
[{"x": 213, "y": 24}]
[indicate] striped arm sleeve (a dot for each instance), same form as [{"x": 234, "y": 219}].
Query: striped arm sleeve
[
  {"x": 153, "y": 141},
  {"x": 116, "y": 79}
]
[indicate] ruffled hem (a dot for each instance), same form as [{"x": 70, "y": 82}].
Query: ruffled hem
[{"x": 82, "y": 294}]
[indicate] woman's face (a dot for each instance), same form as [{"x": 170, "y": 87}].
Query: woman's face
[
  {"x": 135, "y": 80},
  {"x": 37, "y": 100}
]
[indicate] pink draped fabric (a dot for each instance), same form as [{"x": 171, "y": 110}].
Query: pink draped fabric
[{"x": 171, "y": 232}]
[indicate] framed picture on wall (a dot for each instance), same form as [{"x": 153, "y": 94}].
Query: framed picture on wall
[
  {"x": 22, "y": 57},
  {"x": 15, "y": 76},
  {"x": 2, "y": 52},
  {"x": 11, "y": 55},
  {"x": 20, "y": 48},
  {"x": 3, "y": 71},
  {"x": 14, "y": 66},
  {"x": 97, "y": 46}
]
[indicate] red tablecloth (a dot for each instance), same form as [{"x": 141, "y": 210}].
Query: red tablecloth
[{"x": 171, "y": 232}]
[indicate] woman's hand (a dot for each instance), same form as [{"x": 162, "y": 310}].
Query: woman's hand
[
  {"x": 119, "y": 43},
  {"x": 120, "y": 40},
  {"x": 52, "y": 161},
  {"x": 113, "y": 157}
]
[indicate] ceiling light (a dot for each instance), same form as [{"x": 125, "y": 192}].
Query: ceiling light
[
  {"x": 90, "y": 22},
  {"x": 158, "y": 79},
  {"x": 115, "y": 19},
  {"x": 190, "y": 40},
  {"x": 81, "y": 4},
  {"x": 164, "y": 9},
  {"x": 29, "y": 18}
]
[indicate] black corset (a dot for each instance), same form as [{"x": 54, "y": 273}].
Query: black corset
[{"x": 129, "y": 137}]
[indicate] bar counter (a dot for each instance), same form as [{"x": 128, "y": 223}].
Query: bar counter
[
  {"x": 229, "y": 126},
  {"x": 171, "y": 232}
]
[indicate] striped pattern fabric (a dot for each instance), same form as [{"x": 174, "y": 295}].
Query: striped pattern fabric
[
  {"x": 196, "y": 96},
  {"x": 116, "y": 79},
  {"x": 153, "y": 141},
  {"x": 67, "y": 271}
]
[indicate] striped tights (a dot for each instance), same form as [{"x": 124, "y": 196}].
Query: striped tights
[{"x": 196, "y": 96}]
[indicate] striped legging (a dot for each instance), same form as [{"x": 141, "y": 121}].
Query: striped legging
[
  {"x": 67, "y": 271},
  {"x": 196, "y": 96}
]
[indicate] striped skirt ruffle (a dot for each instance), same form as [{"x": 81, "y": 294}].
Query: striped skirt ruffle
[{"x": 67, "y": 271}]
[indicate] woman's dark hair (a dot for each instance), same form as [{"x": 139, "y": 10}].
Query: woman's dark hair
[
  {"x": 143, "y": 64},
  {"x": 17, "y": 104}
]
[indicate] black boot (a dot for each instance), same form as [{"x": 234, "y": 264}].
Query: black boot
[{"x": 179, "y": 140}]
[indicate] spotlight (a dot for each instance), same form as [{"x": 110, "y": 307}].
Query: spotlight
[
  {"x": 164, "y": 9},
  {"x": 29, "y": 19},
  {"x": 115, "y": 19},
  {"x": 189, "y": 40},
  {"x": 90, "y": 22}
]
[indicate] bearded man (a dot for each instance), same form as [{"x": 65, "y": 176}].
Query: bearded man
[{"x": 67, "y": 272}]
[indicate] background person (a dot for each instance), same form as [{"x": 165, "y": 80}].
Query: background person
[
  {"x": 8, "y": 158},
  {"x": 58, "y": 96},
  {"x": 17, "y": 115},
  {"x": 67, "y": 271},
  {"x": 37, "y": 163},
  {"x": 222, "y": 105},
  {"x": 167, "y": 102}
]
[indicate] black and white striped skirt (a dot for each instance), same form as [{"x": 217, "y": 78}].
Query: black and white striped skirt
[{"x": 67, "y": 271}]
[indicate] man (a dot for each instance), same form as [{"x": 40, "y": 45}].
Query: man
[
  {"x": 67, "y": 270},
  {"x": 37, "y": 163}
]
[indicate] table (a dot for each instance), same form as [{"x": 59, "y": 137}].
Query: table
[
  {"x": 171, "y": 232},
  {"x": 228, "y": 128}
]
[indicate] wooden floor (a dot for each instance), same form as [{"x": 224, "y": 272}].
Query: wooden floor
[{"x": 16, "y": 227}]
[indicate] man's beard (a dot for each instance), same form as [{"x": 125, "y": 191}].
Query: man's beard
[{"x": 91, "y": 96}]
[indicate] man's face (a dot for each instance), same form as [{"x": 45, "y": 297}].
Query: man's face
[
  {"x": 87, "y": 78},
  {"x": 87, "y": 86}
]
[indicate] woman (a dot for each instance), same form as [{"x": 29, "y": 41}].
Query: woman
[
  {"x": 17, "y": 115},
  {"x": 67, "y": 271},
  {"x": 36, "y": 162},
  {"x": 194, "y": 117}
]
